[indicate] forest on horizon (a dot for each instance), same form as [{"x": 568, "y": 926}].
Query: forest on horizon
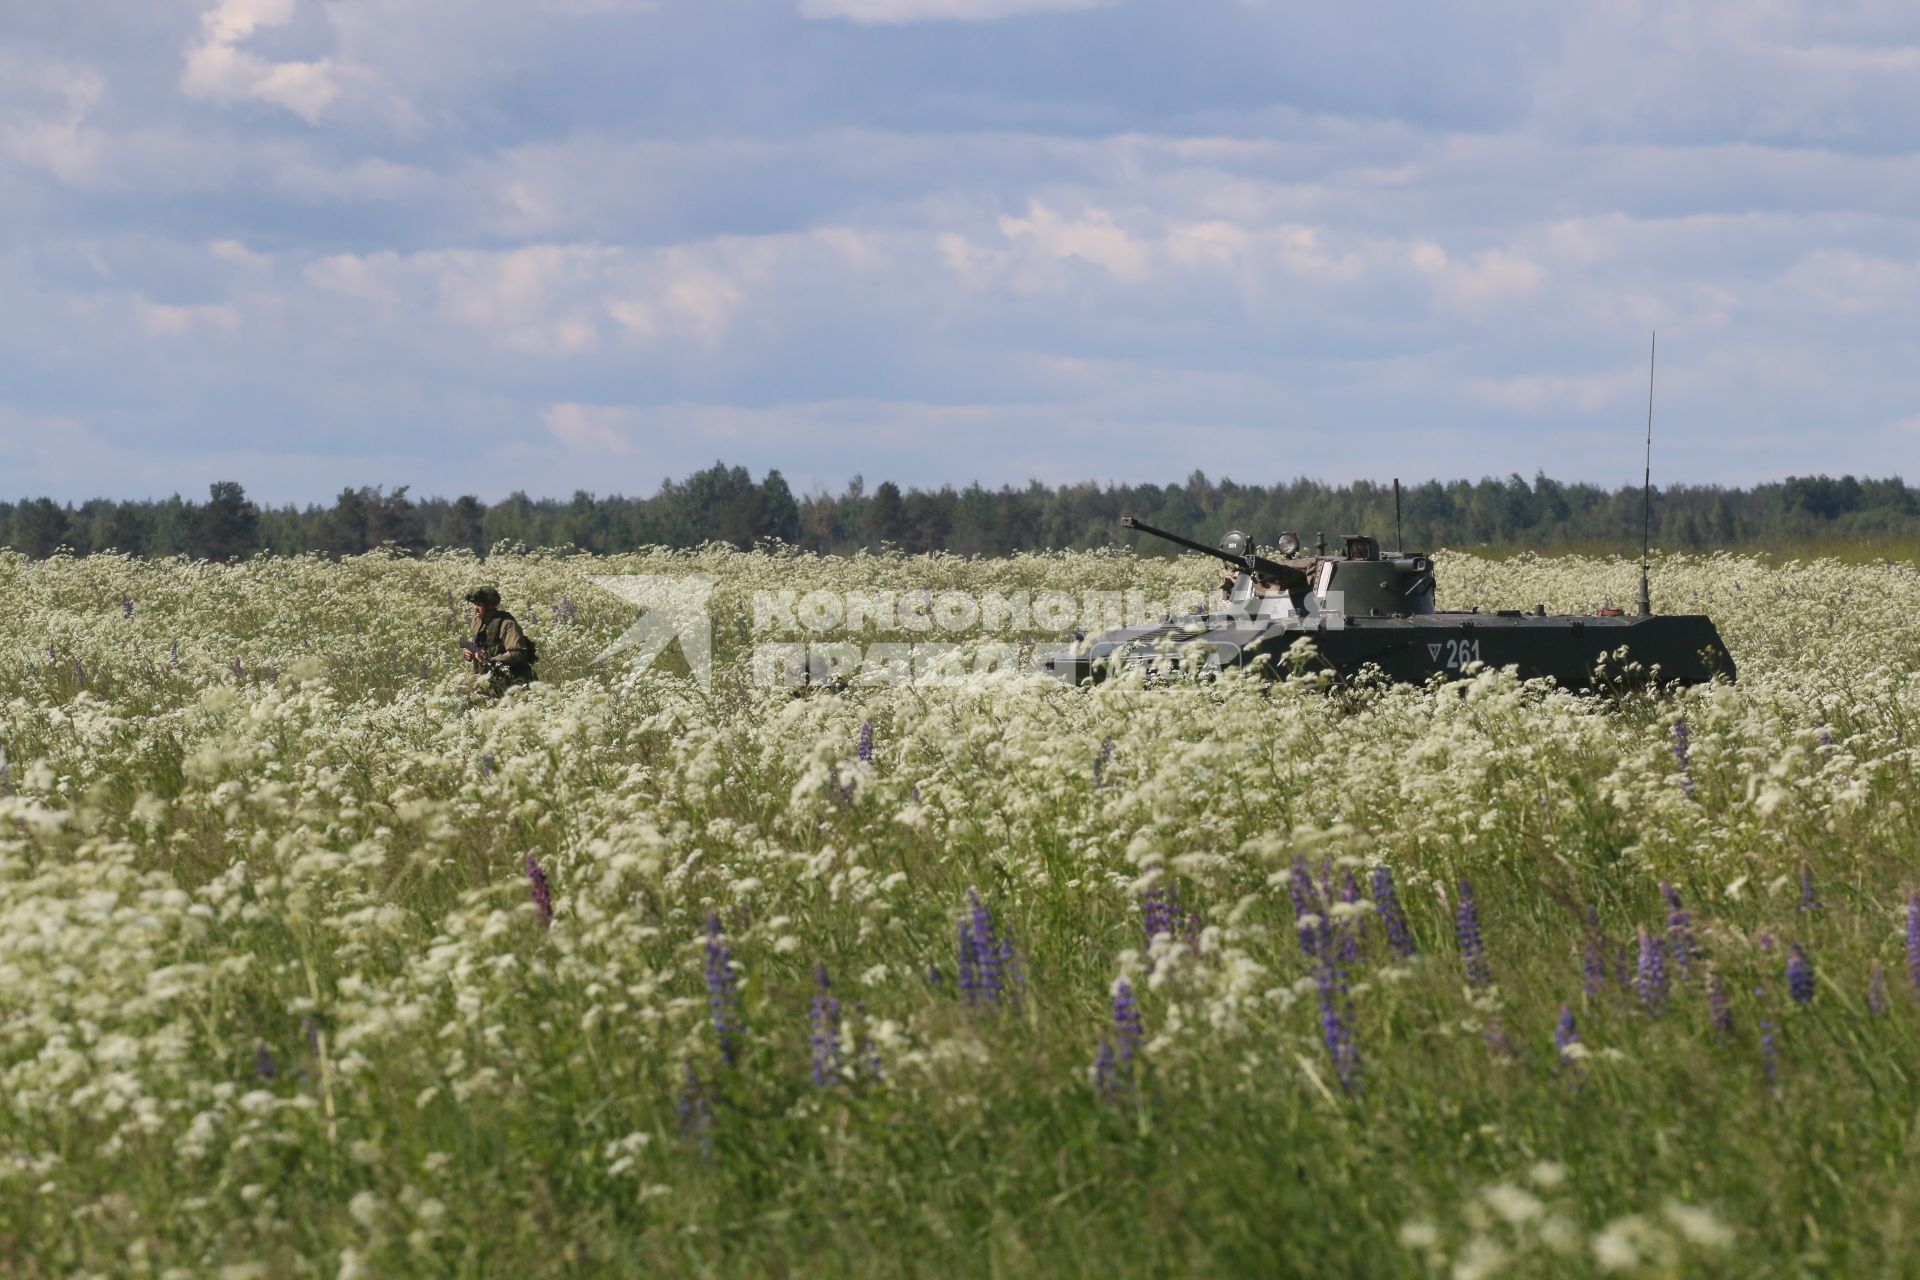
[{"x": 726, "y": 504}]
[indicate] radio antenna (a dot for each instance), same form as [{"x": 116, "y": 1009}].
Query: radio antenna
[
  {"x": 1399, "y": 543},
  {"x": 1646, "y": 486}
]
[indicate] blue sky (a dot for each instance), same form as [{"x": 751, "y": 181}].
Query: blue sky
[{"x": 485, "y": 245}]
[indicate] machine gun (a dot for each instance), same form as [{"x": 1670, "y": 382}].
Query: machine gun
[
  {"x": 1284, "y": 576},
  {"x": 478, "y": 656}
]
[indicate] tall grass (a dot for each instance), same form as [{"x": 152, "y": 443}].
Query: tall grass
[{"x": 278, "y": 999}]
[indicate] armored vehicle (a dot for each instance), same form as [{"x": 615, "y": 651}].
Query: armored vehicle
[{"x": 1367, "y": 608}]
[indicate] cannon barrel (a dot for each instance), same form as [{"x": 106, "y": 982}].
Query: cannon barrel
[{"x": 1284, "y": 576}]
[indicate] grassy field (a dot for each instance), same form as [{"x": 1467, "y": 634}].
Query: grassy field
[{"x": 315, "y": 964}]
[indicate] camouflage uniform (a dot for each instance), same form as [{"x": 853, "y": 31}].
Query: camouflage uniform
[{"x": 501, "y": 639}]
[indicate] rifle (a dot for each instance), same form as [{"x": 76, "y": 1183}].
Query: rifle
[{"x": 478, "y": 656}]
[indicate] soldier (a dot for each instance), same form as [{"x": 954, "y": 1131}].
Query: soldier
[{"x": 498, "y": 648}]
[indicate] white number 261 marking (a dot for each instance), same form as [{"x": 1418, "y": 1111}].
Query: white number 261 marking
[{"x": 1459, "y": 653}]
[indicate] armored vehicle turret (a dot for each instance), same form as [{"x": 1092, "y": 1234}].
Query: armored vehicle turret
[{"x": 1364, "y": 608}]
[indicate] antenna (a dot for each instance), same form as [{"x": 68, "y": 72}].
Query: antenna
[
  {"x": 1399, "y": 543},
  {"x": 1646, "y": 486}
]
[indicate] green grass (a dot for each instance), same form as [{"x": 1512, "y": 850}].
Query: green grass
[{"x": 276, "y": 999}]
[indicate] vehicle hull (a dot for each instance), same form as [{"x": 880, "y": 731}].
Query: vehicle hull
[{"x": 1574, "y": 652}]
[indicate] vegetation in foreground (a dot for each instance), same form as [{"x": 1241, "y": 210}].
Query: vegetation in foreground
[{"x": 314, "y": 966}]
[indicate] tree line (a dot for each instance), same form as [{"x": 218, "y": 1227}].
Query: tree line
[{"x": 725, "y": 504}]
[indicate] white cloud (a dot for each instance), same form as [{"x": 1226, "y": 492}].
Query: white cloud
[
  {"x": 236, "y": 253},
  {"x": 889, "y": 12},
  {"x": 560, "y": 301},
  {"x": 1092, "y": 237},
  {"x": 1480, "y": 282},
  {"x": 54, "y": 136},
  {"x": 691, "y": 300},
  {"x": 164, "y": 320},
  {"x": 219, "y": 70},
  {"x": 1537, "y": 394},
  {"x": 590, "y": 428},
  {"x": 1844, "y": 282}
]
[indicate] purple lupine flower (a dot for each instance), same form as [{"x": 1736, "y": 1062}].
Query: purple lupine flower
[
  {"x": 1351, "y": 928},
  {"x": 1392, "y": 918},
  {"x": 933, "y": 975},
  {"x": 1769, "y": 1051},
  {"x": 824, "y": 1027},
  {"x": 1683, "y": 754},
  {"x": 173, "y": 655},
  {"x": 1913, "y": 937},
  {"x": 1650, "y": 976},
  {"x": 1594, "y": 961},
  {"x": 79, "y": 673},
  {"x": 1106, "y": 1070},
  {"x": 1763, "y": 942},
  {"x": 1679, "y": 931},
  {"x": 263, "y": 1063},
  {"x": 723, "y": 992},
  {"x": 985, "y": 957},
  {"x": 426, "y": 670},
  {"x": 864, "y": 749},
  {"x": 1594, "y": 965},
  {"x": 1156, "y": 911},
  {"x": 1826, "y": 741},
  {"x": 1161, "y": 912},
  {"x": 566, "y": 610},
  {"x": 239, "y": 672},
  {"x": 311, "y": 1029},
  {"x": 914, "y": 791},
  {"x": 6, "y": 777},
  {"x": 486, "y": 766},
  {"x": 1565, "y": 1033},
  {"x": 1877, "y": 990},
  {"x": 1799, "y": 976},
  {"x": 1306, "y": 903},
  {"x": 965, "y": 965},
  {"x": 1808, "y": 902},
  {"x": 1467, "y": 926},
  {"x": 1128, "y": 1032},
  {"x": 541, "y": 891},
  {"x": 1336, "y": 1029},
  {"x": 1100, "y": 761},
  {"x": 126, "y": 605},
  {"x": 1719, "y": 1006}
]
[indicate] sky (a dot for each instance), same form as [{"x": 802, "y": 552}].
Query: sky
[{"x": 557, "y": 245}]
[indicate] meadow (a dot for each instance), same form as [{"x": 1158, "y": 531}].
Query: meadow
[{"x": 315, "y": 964}]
